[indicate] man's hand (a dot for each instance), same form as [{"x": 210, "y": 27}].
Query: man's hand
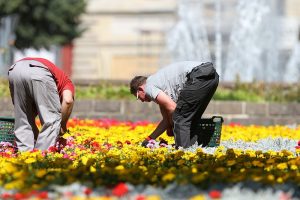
[
  {"x": 170, "y": 131},
  {"x": 145, "y": 143},
  {"x": 61, "y": 143},
  {"x": 63, "y": 130}
]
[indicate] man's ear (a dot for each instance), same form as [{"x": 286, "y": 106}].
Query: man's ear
[{"x": 140, "y": 88}]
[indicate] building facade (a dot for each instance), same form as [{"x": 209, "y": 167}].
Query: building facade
[
  {"x": 122, "y": 38},
  {"x": 128, "y": 38}
]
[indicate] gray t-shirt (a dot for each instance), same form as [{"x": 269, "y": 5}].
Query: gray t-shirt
[{"x": 169, "y": 79}]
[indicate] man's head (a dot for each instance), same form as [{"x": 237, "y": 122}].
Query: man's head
[{"x": 137, "y": 88}]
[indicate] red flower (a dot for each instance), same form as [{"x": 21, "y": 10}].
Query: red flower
[
  {"x": 34, "y": 150},
  {"x": 96, "y": 145},
  {"x": 33, "y": 193},
  {"x": 127, "y": 142},
  {"x": 233, "y": 124},
  {"x": 18, "y": 196},
  {"x": 88, "y": 191},
  {"x": 215, "y": 194},
  {"x": 297, "y": 147},
  {"x": 52, "y": 149},
  {"x": 140, "y": 197},
  {"x": 43, "y": 195},
  {"x": 4, "y": 154},
  {"x": 299, "y": 143},
  {"x": 5, "y": 196},
  {"x": 120, "y": 190}
]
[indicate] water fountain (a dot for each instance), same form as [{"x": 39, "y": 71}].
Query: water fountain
[
  {"x": 252, "y": 52},
  {"x": 292, "y": 74},
  {"x": 188, "y": 40}
]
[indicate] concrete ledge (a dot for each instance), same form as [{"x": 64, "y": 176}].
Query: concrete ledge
[{"x": 232, "y": 111}]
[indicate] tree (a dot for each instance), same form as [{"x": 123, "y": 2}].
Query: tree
[{"x": 42, "y": 23}]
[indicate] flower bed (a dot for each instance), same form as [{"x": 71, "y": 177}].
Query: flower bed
[{"x": 103, "y": 158}]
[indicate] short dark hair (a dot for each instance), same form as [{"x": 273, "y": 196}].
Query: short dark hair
[{"x": 136, "y": 82}]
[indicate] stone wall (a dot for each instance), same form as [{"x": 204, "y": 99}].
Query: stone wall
[{"x": 232, "y": 111}]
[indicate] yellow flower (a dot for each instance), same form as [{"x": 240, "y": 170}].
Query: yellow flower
[
  {"x": 180, "y": 162},
  {"x": 257, "y": 163},
  {"x": 294, "y": 167},
  {"x": 220, "y": 169},
  {"x": 153, "y": 197},
  {"x": 231, "y": 162},
  {"x": 40, "y": 173},
  {"x": 271, "y": 177},
  {"x": 120, "y": 167},
  {"x": 270, "y": 161},
  {"x": 198, "y": 197},
  {"x": 92, "y": 169},
  {"x": 16, "y": 184},
  {"x": 198, "y": 177},
  {"x": 168, "y": 177},
  {"x": 282, "y": 166},
  {"x": 279, "y": 180},
  {"x": 30, "y": 160},
  {"x": 194, "y": 170}
]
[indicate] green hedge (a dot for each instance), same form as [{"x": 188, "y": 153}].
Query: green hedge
[{"x": 252, "y": 92}]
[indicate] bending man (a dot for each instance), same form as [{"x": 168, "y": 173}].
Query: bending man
[
  {"x": 40, "y": 88},
  {"x": 182, "y": 90}
]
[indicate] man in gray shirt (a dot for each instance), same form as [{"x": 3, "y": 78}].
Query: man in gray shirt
[{"x": 182, "y": 90}]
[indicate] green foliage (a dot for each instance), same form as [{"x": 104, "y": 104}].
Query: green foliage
[
  {"x": 4, "y": 88},
  {"x": 258, "y": 92},
  {"x": 237, "y": 95},
  {"x": 103, "y": 91},
  {"x": 42, "y": 23},
  {"x": 9, "y": 7},
  {"x": 252, "y": 92}
]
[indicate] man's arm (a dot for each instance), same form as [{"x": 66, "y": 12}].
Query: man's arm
[
  {"x": 66, "y": 109},
  {"x": 161, "y": 127},
  {"x": 167, "y": 107}
]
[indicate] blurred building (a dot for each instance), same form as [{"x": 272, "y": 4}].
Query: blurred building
[
  {"x": 126, "y": 38},
  {"x": 122, "y": 38}
]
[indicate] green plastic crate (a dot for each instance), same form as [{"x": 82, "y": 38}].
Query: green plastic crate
[
  {"x": 209, "y": 131},
  {"x": 7, "y": 129}
]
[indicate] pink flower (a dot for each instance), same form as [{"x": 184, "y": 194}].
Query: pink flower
[
  {"x": 66, "y": 156},
  {"x": 150, "y": 145},
  {"x": 140, "y": 197},
  {"x": 284, "y": 196}
]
